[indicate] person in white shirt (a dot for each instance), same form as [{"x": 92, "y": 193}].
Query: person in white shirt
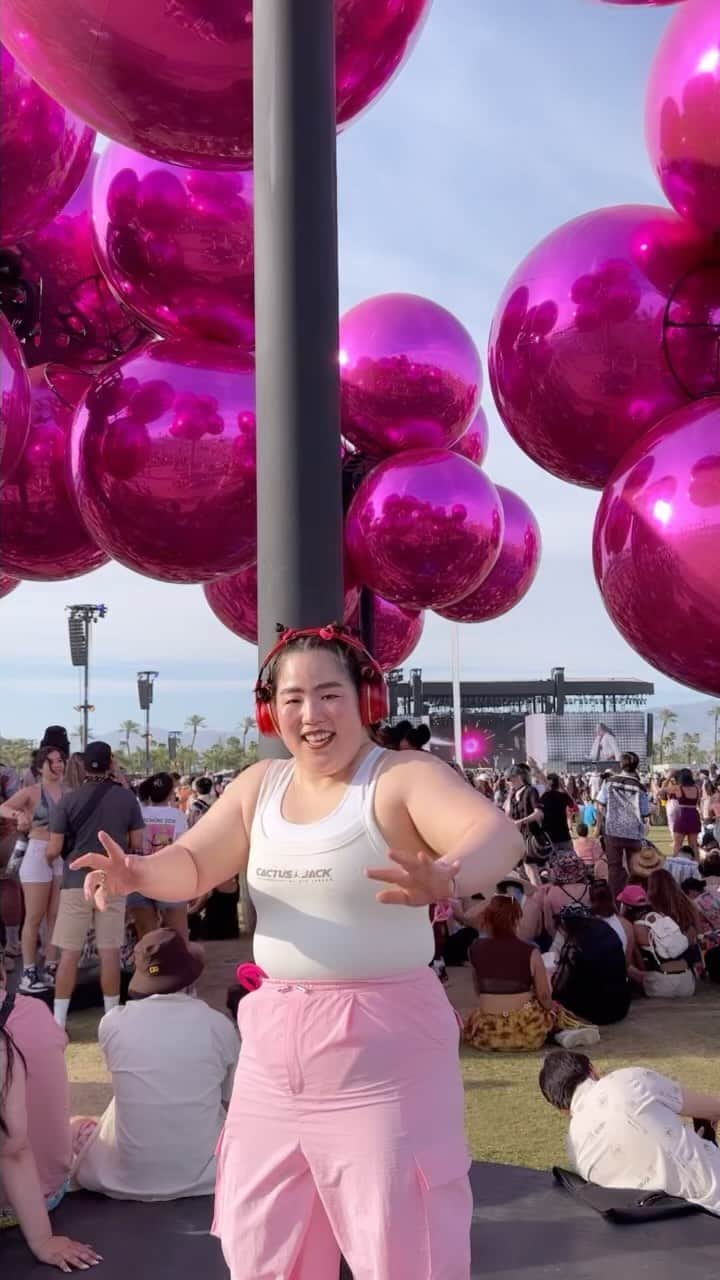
[
  {"x": 172, "y": 1060},
  {"x": 605, "y": 745},
  {"x": 626, "y": 1129},
  {"x": 682, "y": 865}
]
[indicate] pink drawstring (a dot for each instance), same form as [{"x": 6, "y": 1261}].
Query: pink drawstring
[{"x": 250, "y": 976}]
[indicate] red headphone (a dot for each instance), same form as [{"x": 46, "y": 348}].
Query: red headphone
[{"x": 373, "y": 692}]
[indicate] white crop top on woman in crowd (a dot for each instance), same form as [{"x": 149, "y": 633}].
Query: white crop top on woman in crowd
[{"x": 317, "y": 914}]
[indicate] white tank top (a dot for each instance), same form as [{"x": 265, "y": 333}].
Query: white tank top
[{"x": 317, "y": 914}]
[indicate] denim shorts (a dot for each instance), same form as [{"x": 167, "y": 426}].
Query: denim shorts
[
  {"x": 8, "y": 1217},
  {"x": 139, "y": 900}
]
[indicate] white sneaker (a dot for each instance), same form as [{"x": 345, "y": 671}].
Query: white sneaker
[
  {"x": 30, "y": 980},
  {"x": 579, "y": 1038}
]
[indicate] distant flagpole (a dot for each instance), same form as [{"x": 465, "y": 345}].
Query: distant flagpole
[{"x": 457, "y": 705}]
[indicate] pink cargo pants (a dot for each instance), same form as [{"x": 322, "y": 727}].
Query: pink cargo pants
[{"x": 345, "y": 1133}]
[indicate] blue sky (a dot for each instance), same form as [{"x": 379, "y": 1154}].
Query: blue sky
[{"x": 511, "y": 117}]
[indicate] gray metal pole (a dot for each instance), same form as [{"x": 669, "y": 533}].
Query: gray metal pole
[
  {"x": 296, "y": 318},
  {"x": 86, "y": 685}
]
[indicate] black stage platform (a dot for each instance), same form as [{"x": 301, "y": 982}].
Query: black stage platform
[{"x": 524, "y": 1227}]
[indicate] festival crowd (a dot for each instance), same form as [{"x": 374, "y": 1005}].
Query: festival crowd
[{"x": 590, "y": 919}]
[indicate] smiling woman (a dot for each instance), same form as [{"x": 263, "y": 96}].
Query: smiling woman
[{"x": 350, "y": 1043}]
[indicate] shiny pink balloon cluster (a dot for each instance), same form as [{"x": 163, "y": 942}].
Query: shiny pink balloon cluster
[
  {"x": 14, "y": 402},
  {"x": 79, "y": 321},
  {"x": 425, "y": 527},
  {"x": 603, "y": 364},
  {"x": 42, "y": 535},
  {"x": 173, "y": 78},
  {"x": 163, "y": 461},
  {"x": 44, "y": 152},
  {"x": 177, "y": 245},
  {"x": 682, "y": 113}
]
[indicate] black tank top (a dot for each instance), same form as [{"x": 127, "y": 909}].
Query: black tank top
[{"x": 502, "y": 966}]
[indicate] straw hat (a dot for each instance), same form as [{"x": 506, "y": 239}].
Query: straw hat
[{"x": 644, "y": 861}]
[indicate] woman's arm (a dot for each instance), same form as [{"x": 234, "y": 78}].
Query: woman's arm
[
  {"x": 459, "y": 824},
  {"x": 541, "y": 982},
  {"x": 22, "y": 1183},
  {"x": 20, "y": 805},
  {"x": 212, "y": 852}
]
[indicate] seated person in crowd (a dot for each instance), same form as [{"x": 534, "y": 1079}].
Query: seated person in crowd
[
  {"x": 626, "y": 1129},
  {"x": 35, "y": 1135},
  {"x": 682, "y": 865},
  {"x": 602, "y": 906},
  {"x": 663, "y": 948},
  {"x": 590, "y": 978},
  {"x": 588, "y": 848},
  {"x": 706, "y": 900},
  {"x": 172, "y": 1060},
  {"x": 462, "y": 929},
  {"x": 708, "y": 848},
  {"x": 568, "y": 884},
  {"x": 515, "y": 1010}
]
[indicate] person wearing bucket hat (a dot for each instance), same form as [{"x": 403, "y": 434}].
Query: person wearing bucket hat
[
  {"x": 169, "y": 1049},
  {"x": 164, "y": 963}
]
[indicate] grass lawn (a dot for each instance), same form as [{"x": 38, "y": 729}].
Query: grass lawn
[{"x": 507, "y": 1119}]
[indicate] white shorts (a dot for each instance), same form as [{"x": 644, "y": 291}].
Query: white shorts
[{"x": 35, "y": 868}]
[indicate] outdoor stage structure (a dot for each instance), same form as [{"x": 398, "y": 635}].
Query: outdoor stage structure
[{"x": 553, "y": 720}]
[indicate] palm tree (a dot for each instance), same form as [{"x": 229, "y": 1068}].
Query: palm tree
[
  {"x": 691, "y": 747},
  {"x": 714, "y": 714},
  {"x": 194, "y": 723},
  {"x": 128, "y": 728},
  {"x": 667, "y": 717},
  {"x": 247, "y": 727}
]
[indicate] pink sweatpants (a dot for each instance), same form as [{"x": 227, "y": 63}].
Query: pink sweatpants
[{"x": 345, "y": 1132}]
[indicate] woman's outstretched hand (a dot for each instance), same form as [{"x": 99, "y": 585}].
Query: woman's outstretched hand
[
  {"x": 418, "y": 880},
  {"x": 112, "y": 874}
]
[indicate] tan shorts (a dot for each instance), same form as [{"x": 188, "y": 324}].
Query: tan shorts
[{"x": 76, "y": 916}]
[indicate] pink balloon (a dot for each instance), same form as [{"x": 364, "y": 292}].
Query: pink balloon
[
  {"x": 173, "y": 78},
  {"x": 582, "y": 358},
  {"x": 655, "y": 544},
  {"x": 163, "y": 461},
  {"x": 7, "y": 585},
  {"x": 652, "y": 4},
  {"x": 234, "y": 601},
  {"x": 410, "y": 375},
  {"x": 14, "y": 402},
  {"x": 177, "y": 245},
  {"x": 514, "y": 571},
  {"x": 473, "y": 443},
  {"x": 682, "y": 113},
  {"x": 42, "y": 536},
  {"x": 397, "y": 631},
  {"x": 424, "y": 528},
  {"x": 44, "y": 152},
  {"x": 79, "y": 322}
]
